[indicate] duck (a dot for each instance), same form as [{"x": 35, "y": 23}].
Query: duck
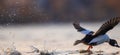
[{"x": 100, "y": 36}]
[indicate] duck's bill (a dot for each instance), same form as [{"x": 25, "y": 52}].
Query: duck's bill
[{"x": 117, "y": 46}]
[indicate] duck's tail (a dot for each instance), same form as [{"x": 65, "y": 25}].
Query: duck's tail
[{"x": 77, "y": 42}]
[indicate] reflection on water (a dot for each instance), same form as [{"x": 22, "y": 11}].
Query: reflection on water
[{"x": 50, "y": 37}]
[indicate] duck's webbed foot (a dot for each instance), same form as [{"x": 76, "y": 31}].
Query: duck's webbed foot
[{"x": 90, "y": 47}]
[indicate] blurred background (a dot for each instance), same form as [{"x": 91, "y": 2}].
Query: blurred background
[
  {"x": 57, "y": 11},
  {"x": 47, "y": 24}
]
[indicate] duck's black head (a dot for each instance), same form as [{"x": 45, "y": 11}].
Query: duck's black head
[{"x": 114, "y": 43}]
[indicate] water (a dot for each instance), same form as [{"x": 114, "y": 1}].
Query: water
[{"x": 58, "y": 37}]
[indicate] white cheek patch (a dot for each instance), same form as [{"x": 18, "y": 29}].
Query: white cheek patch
[{"x": 116, "y": 44}]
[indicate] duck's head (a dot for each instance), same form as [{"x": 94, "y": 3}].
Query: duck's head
[{"x": 114, "y": 43}]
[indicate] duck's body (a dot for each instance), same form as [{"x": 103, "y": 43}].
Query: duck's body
[
  {"x": 95, "y": 38},
  {"x": 88, "y": 40}
]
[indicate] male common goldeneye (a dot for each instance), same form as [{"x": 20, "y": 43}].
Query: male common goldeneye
[{"x": 99, "y": 37}]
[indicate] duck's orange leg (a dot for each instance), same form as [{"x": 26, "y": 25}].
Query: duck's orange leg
[{"x": 90, "y": 47}]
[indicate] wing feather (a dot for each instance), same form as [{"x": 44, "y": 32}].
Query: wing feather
[
  {"x": 81, "y": 29},
  {"x": 107, "y": 26}
]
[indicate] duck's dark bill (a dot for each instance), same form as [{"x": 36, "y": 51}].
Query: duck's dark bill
[{"x": 118, "y": 46}]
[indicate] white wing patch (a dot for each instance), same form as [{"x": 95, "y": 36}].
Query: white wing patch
[
  {"x": 100, "y": 39},
  {"x": 85, "y": 32}
]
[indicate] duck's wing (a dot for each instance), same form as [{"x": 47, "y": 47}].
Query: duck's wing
[
  {"x": 110, "y": 24},
  {"x": 81, "y": 29}
]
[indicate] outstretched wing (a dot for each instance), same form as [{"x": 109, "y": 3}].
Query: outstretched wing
[
  {"x": 107, "y": 26},
  {"x": 81, "y": 29}
]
